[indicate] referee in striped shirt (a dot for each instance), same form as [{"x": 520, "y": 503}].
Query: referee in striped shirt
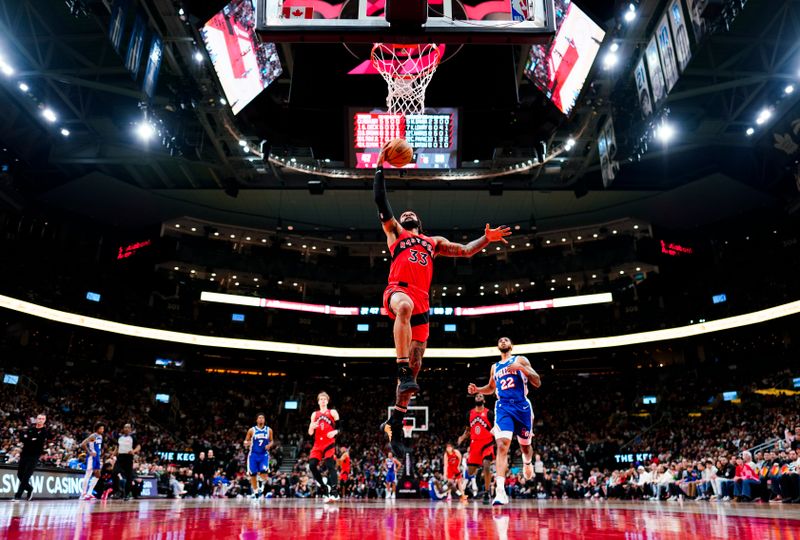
[{"x": 125, "y": 452}]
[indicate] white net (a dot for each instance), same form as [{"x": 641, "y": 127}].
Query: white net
[{"x": 407, "y": 70}]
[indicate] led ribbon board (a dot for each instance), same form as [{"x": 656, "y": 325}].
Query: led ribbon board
[
  {"x": 21, "y": 306},
  {"x": 251, "y": 301}
]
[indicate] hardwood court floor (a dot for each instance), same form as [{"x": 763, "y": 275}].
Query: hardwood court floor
[{"x": 394, "y": 519}]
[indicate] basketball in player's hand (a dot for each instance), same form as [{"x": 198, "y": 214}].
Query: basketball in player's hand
[{"x": 398, "y": 153}]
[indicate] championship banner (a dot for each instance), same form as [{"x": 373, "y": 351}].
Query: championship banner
[
  {"x": 116, "y": 26},
  {"x": 643, "y": 89},
  {"x": 47, "y": 484},
  {"x": 607, "y": 147},
  {"x": 153, "y": 66},
  {"x": 698, "y": 22},
  {"x": 655, "y": 71},
  {"x": 133, "y": 60},
  {"x": 667, "y": 52},
  {"x": 680, "y": 33}
]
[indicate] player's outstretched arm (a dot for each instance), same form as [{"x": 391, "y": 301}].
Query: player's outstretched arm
[
  {"x": 248, "y": 439},
  {"x": 390, "y": 225},
  {"x": 446, "y": 248},
  {"x": 464, "y": 435},
  {"x": 489, "y": 388}
]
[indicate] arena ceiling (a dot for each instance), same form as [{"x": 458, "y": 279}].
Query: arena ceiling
[{"x": 712, "y": 170}]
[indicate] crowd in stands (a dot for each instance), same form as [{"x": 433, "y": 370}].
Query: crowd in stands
[{"x": 689, "y": 444}]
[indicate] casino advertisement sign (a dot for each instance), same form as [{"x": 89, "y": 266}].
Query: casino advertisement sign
[{"x": 46, "y": 484}]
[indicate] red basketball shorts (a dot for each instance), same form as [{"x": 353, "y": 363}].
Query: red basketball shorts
[
  {"x": 321, "y": 453},
  {"x": 420, "y": 329},
  {"x": 480, "y": 450}
]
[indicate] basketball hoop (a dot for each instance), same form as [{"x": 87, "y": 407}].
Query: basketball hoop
[
  {"x": 407, "y": 70},
  {"x": 407, "y": 431}
]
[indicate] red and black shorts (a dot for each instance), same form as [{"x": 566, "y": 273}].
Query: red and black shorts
[
  {"x": 452, "y": 475},
  {"x": 344, "y": 476},
  {"x": 480, "y": 450},
  {"x": 420, "y": 329},
  {"x": 323, "y": 453}
]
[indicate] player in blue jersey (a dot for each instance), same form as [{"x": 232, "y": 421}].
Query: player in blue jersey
[
  {"x": 93, "y": 446},
  {"x": 259, "y": 440},
  {"x": 391, "y": 465},
  {"x": 513, "y": 414}
]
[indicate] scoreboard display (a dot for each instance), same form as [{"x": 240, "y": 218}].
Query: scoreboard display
[{"x": 433, "y": 135}]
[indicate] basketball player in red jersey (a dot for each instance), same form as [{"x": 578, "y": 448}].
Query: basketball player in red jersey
[
  {"x": 452, "y": 465},
  {"x": 323, "y": 429},
  {"x": 406, "y": 296},
  {"x": 481, "y": 444},
  {"x": 344, "y": 470}
]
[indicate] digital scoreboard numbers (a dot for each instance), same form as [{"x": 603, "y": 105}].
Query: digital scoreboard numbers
[
  {"x": 429, "y": 130},
  {"x": 433, "y": 135},
  {"x": 373, "y": 130}
]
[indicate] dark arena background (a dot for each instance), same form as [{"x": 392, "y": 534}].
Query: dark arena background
[{"x": 206, "y": 330}]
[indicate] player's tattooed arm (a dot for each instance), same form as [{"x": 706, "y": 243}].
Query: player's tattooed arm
[
  {"x": 529, "y": 372},
  {"x": 446, "y": 248}
]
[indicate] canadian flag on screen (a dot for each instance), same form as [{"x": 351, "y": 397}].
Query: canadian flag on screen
[{"x": 298, "y": 12}]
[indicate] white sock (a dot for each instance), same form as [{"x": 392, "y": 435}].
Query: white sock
[
  {"x": 92, "y": 483},
  {"x": 500, "y": 482},
  {"x": 86, "y": 479}
]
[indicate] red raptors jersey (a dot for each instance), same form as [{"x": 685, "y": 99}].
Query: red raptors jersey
[
  {"x": 479, "y": 425},
  {"x": 346, "y": 463},
  {"x": 453, "y": 461},
  {"x": 412, "y": 260},
  {"x": 326, "y": 424}
]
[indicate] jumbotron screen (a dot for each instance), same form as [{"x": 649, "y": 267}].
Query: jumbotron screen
[
  {"x": 560, "y": 69},
  {"x": 244, "y": 65},
  {"x": 433, "y": 135}
]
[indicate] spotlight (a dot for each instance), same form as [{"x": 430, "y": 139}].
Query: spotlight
[
  {"x": 789, "y": 89},
  {"x": 49, "y": 115},
  {"x": 242, "y": 143},
  {"x": 665, "y": 132},
  {"x": 630, "y": 15},
  {"x": 614, "y": 47},
  {"x": 181, "y": 12},
  {"x": 763, "y": 116},
  {"x": 569, "y": 144},
  {"x": 24, "y": 87},
  {"x": 750, "y": 131},
  {"x": 5, "y": 68},
  {"x": 223, "y": 101},
  {"x": 145, "y": 130},
  {"x": 65, "y": 132},
  {"x": 198, "y": 57}
]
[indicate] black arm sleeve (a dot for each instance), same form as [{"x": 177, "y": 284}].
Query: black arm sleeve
[
  {"x": 379, "y": 191},
  {"x": 339, "y": 426}
]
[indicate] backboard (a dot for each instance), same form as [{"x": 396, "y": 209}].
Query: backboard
[
  {"x": 417, "y": 416},
  {"x": 449, "y": 21}
]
